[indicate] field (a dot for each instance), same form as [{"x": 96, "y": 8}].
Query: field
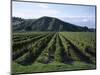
[{"x": 53, "y": 51}]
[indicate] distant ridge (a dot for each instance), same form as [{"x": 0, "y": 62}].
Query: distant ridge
[{"x": 45, "y": 23}]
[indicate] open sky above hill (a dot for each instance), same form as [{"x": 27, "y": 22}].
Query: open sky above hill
[{"x": 75, "y": 14}]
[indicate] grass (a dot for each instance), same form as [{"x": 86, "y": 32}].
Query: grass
[{"x": 38, "y": 67}]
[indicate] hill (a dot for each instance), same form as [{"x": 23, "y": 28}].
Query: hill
[{"x": 45, "y": 24}]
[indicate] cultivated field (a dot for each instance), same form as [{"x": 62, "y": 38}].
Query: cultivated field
[{"x": 53, "y": 51}]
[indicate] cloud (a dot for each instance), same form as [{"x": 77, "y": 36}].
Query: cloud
[
  {"x": 37, "y": 14},
  {"x": 80, "y": 17},
  {"x": 49, "y": 12},
  {"x": 21, "y": 14},
  {"x": 88, "y": 21},
  {"x": 43, "y": 5},
  {"x": 85, "y": 20}
]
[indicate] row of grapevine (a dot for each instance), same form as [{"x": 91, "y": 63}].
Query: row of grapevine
[
  {"x": 85, "y": 41},
  {"x": 24, "y": 46},
  {"x": 21, "y": 37},
  {"x": 21, "y": 44},
  {"x": 77, "y": 50},
  {"x": 35, "y": 50},
  {"x": 53, "y": 47},
  {"x": 59, "y": 50},
  {"x": 47, "y": 56},
  {"x": 68, "y": 49}
]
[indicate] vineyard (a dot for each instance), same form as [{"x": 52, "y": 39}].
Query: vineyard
[{"x": 53, "y": 51}]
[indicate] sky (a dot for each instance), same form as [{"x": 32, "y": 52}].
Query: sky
[{"x": 76, "y": 14}]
